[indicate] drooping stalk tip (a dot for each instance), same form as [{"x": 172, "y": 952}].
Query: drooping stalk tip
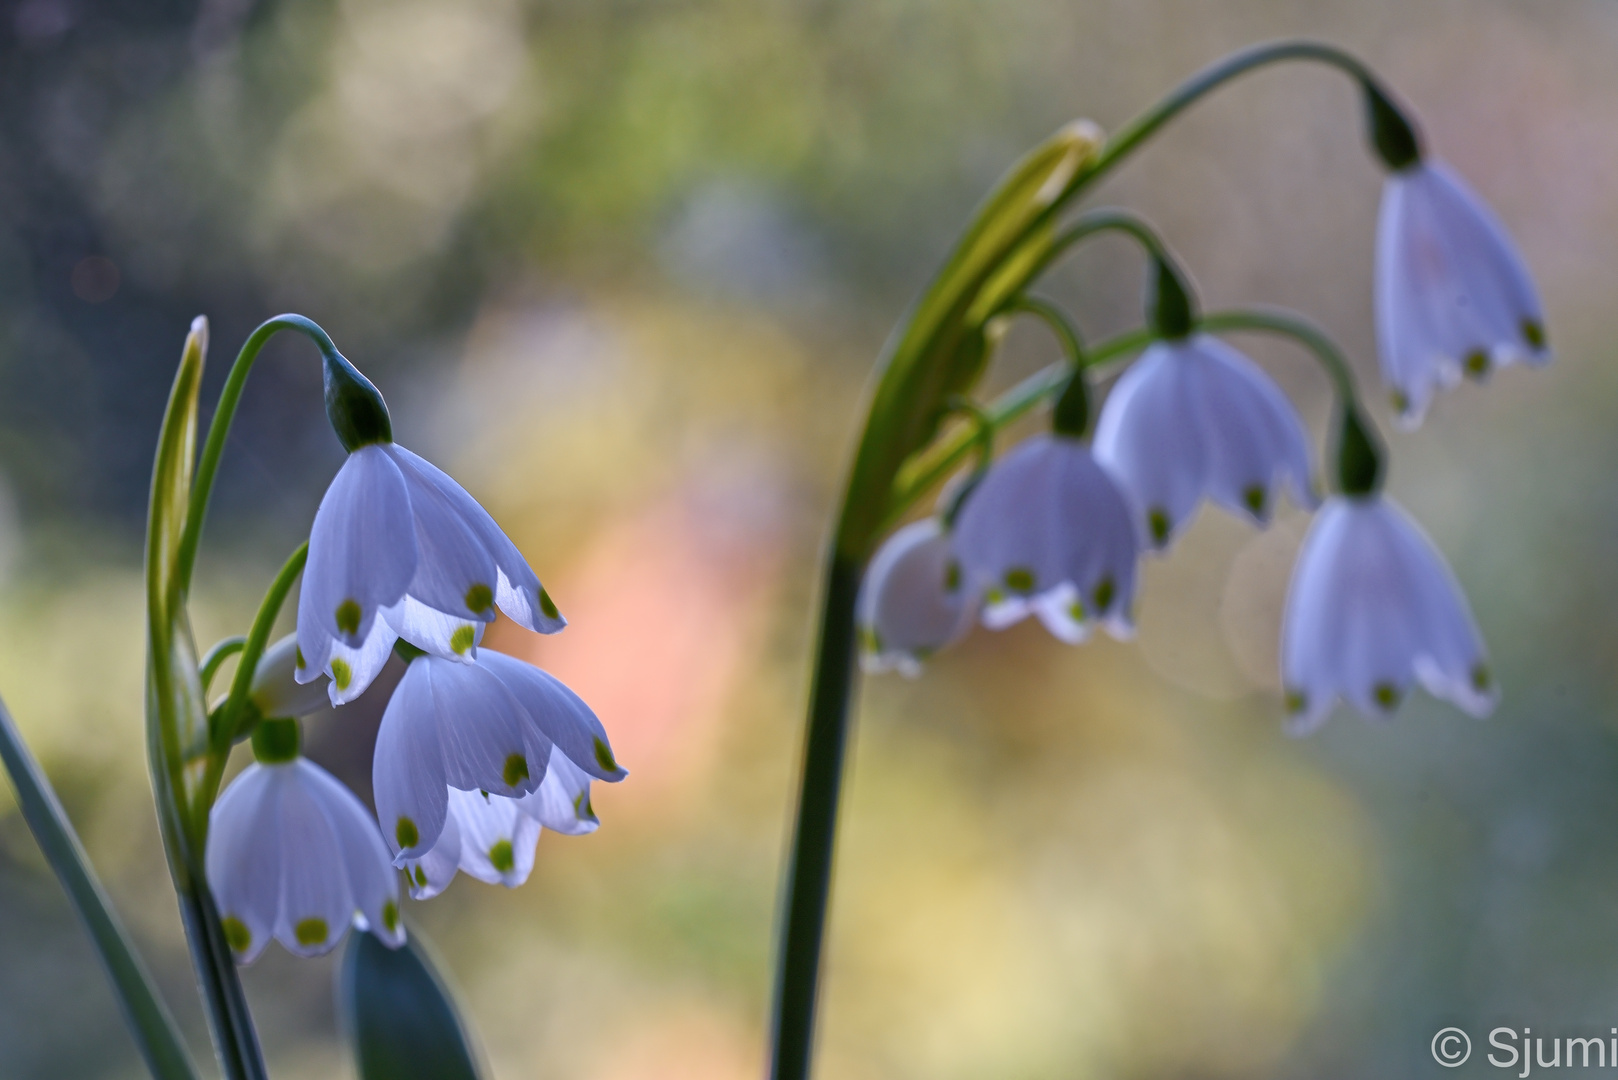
[
  {"x": 1393, "y": 134},
  {"x": 1359, "y": 454},
  {"x": 1071, "y": 414},
  {"x": 1171, "y": 311},
  {"x": 354, "y": 405}
]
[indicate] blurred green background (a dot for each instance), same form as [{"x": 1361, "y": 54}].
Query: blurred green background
[{"x": 623, "y": 268}]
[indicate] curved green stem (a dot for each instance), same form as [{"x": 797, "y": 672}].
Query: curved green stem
[
  {"x": 1270, "y": 320},
  {"x": 225, "y": 722},
  {"x": 1067, "y": 335},
  {"x": 219, "y": 428},
  {"x": 1137, "y": 131},
  {"x": 223, "y": 650}
]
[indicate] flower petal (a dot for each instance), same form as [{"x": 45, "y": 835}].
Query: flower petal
[
  {"x": 562, "y": 802},
  {"x": 243, "y": 860},
  {"x": 483, "y": 730},
  {"x": 519, "y": 593},
  {"x": 431, "y": 874},
  {"x": 559, "y": 713},
  {"x": 407, "y": 771},
  {"x": 316, "y": 903},
  {"x": 497, "y": 839},
  {"x": 373, "y": 883},
  {"x": 914, "y": 600},
  {"x": 362, "y": 554},
  {"x": 353, "y": 670},
  {"x": 449, "y": 636}
]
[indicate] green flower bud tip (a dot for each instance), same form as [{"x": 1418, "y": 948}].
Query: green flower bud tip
[{"x": 354, "y": 405}]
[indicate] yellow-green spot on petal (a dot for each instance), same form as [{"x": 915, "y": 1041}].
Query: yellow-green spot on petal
[
  {"x": 582, "y": 808},
  {"x": 311, "y": 931},
  {"x": 1105, "y": 593},
  {"x": 502, "y": 857},
  {"x": 1476, "y": 363},
  {"x": 461, "y": 640},
  {"x": 479, "y": 598},
  {"x": 1400, "y": 400},
  {"x": 995, "y": 596},
  {"x": 548, "y": 606},
  {"x": 406, "y": 833},
  {"x": 1255, "y": 498},
  {"x": 390, "y": 916},
  {"x": 341, "y": 673},
  {"x": 421, "y": 877},
  {"x": 1157, "y": 520},
  {"x": 348, "y": 616},
  {"x": 1386, "y": 696},
  {"x": 1482, "y": 678},
  {"x": 1020, "y": 579},
  {"x": 1297, "y": 701},
  {"x": 604, "y": 756},
  {"x": 297, "y": 655},
  {"x": 1533, "y": 332},
  {"x": 516, "y": 770},
  {"x": 1075, "y": 611},
  {"x": 237, "y": 935},
  {"x": 952, "y": 576},
  {"x": 870, "y": 640}
]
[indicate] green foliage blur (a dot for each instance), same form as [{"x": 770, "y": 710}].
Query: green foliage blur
[{"x": 623, "y": 268}]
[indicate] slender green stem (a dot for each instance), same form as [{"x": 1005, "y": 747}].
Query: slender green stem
[
  {"x": 226, "y": 720},
  {"x": 216, "y": 656},
  {"x": 149, "y": 1021},
  {"x": 1137, "y": 131},
  {"x": 808, "y": 884},
  {"x": 1067, "y": 335},
  {"x": 1270, "y": 320},
  {"x": 219, "y": 428},
  {"x": 1095, "y": 223}
]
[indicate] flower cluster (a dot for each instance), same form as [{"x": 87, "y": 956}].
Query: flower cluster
[
  {"x": 478, "y": 752},
  {"x": 1056, "y": 527}
]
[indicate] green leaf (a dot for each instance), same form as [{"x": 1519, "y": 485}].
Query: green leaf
[
  {"x": 177, "y": 720},
  {"x": 942, "y": 348},
  {"x": 399, "y": 1015},
  {"x": 159, "y": 1040}
]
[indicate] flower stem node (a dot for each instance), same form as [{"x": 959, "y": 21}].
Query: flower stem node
[
  {"x": 292, "y": 854},
  {"x": 1393, "y": 135},
  {"x": 1372, "y": 611},
  {"x": 354, "y": 405},
  {"x": 1453, "y": 296},
  {"x": 1195, "y": 419},
  {"x": 1170, "y": 310},
  {"x": 1048, "y": 533},
  {"x": 497, "y": 727},
  {"x": 400, "y": 550},
  {"x": 1359, "y": 454},
  {"x": 915, "y": 600}
]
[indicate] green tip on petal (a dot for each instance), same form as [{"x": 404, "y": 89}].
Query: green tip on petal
[
  {"x": 479, "y": 598},
  {"x": 1386, "y": 696},
  {"x": 1297, "y": 701},
  {"x": 1105, "y": 593},
  {"x": 952, "y": 576},
  {"x": 1476, "y": 363},
  {"x": 516, "y": 770},
  {"x": 1255, "y": 498},
  {"x": 462, "y": 639},
  {"x": 348, "y": 617},
  {"x": 1020, "y": 579},
  {"x": 405, "y": 832},
  {"x": 1482, "y": 678},
  {"x": 1533, "y": 332},
  {"x": 390, "y": 916},
  {"x": 548, "y": 606},
  {"x": 311, "y": 931},
  {"x": 421, "y": 878},
  {"x": 237, "y": 935},
  {"x": 341, "y": 673},
  {"x": 604, "y": 756},
  {"x": 1157, "y": 521},
  {"x": 501, "y": 855}
]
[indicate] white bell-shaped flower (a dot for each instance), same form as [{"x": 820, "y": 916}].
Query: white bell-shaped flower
[
  {"x": 1047, "y": 532},
  {"x": 275, "y": 690},
  {"x": 1193, "y": 417},
  {"x": 292, "y": 854},
  {"x": 1371, "y": 611},
  {"x": 398, "y": 549},
  {"x": 488, "y": 726},
  {"x": 1452, "y": 292},
  {"x": 915, "y": 600},
  {"x": 492, "y": 837}
]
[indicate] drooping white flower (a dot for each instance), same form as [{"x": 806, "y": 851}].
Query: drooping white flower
[
  {"x": 488, "y": 726},
  {"x": 1194, "y": 417},
  {"x": 1371, "y": 611},
  {"x": 398, "y": 549},
  {"x": 492, "y": 837},
  {"x": 292, "y": 854},
  {"x": 1452, "y": 292},
  {"x": 1047, "y": 532},
  {"x": 275, "y": 690},
  {"x": 914, "y": 600}
]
